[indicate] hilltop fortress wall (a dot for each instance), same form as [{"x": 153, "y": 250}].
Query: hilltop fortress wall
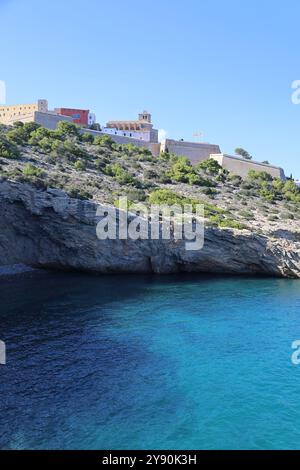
[
  {"x": 196, "y": 152},
  {"x": 49, "y": 120},
  {"x": 241, "y": 166}
]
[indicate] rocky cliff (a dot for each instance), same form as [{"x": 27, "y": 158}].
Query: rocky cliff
[{"x": 47, "y": 228}]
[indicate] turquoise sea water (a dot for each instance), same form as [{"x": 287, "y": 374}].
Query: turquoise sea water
[{"x": 133, "y": 362}]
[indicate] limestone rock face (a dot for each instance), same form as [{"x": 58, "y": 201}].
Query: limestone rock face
[{"x": 51, "y": 230}]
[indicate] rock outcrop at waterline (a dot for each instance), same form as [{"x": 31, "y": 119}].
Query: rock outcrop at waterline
[{"x": 49, "y": 229}]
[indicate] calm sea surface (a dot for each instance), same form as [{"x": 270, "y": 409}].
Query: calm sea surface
[{"x": 134, "y": 362}]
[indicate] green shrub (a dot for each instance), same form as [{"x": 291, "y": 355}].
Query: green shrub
[
  {"x": 180, "y": 170},
  {"x": 209, "y": 191},
  {"x": 151, "y": 175},
  {"x": 290, "y": 191},
  {"x": 192, "y": 178},
  {"x": 119, "y": 174},
  {"x": 46, "y": 144},
  {"x": 72, "y": 150},
  {"x": 259, "y": 175},
  {"x": 267, "y": 195},
  {"x": 183, "y": 172},
  {"x": 235, "y": 179},
  {"x": 57, "y": 147},
  {"x": 222, "y": 222},
  {"x": 31, "y": 170},
  {"x": 167, "y": 197},
  {"x": 230, "y": 223},
  {"x": 211, "y": 166},
  {"x": 66, "y": 129},
  {"x": 164, "y": 178},
  {"x": 104, "y": 141},
  {"x": 21, "y": 133},
  {"x": 166, "y": 156},
  {"x": 8, "y": 149},
  {"x": 39, "y": 134},
  {"x": 79, "y": 165},
  {"x": 88, "y": 138}
]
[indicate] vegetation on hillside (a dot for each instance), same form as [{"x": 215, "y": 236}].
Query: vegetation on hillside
[{"x": 96, "y": 168}]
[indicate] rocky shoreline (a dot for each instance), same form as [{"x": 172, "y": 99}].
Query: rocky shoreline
[{"x": 49, "y": 229}]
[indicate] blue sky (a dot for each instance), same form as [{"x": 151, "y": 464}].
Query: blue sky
[{"x": 224, "y": 68}]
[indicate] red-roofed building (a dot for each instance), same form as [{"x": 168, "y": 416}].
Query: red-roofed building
[{"x": 79, "y": 116}]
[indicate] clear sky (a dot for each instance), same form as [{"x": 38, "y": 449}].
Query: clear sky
[{"x": 224, "y": 68}]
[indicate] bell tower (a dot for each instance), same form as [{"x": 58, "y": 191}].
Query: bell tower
[
  {"x": 43, "y": 106},
  {"x": 145, "y": 116}
]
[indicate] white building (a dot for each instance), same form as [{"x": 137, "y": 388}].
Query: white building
[
  {"x": 142, "y": 129},
  {"x": 91, "y": 119}
]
